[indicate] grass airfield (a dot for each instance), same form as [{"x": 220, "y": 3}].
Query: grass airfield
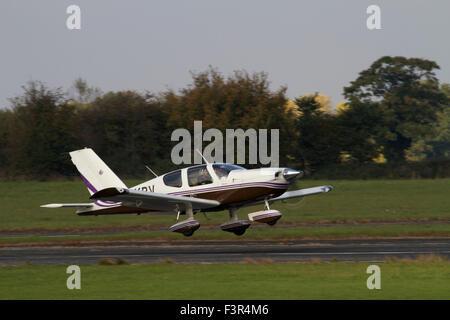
[
  {"x": 351, "y": 201},
  {"x": 395, "y": 206},
  {"x": 425, "y": 278},
  {"x": 372, "y": 208}
]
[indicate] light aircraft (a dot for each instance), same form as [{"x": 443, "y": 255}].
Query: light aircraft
[{"x": 200, "y": 188}]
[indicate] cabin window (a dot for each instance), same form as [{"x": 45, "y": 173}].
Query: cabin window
[
  {"x": 198, "y": 176},
  {"x": 224, "y": 169},
  {"x": 173, "y": 179}
]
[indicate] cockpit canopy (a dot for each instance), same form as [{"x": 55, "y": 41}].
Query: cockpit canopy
[
  {"x": 199, "y": 175},
  {"x": 173, "y": 179},
  {"x": 223, "y": 169}
]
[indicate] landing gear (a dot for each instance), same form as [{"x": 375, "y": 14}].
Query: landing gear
[
  {"x": 188, "y": 226},
  {"x": 235, "y": 225},
  {"x": 240, "y": 232},
  {"x": 266, "y": 216}
]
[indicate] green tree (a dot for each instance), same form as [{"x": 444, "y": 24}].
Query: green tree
[
  {"x": 82, "y": 93},
  {"x": 317, "y": 145},
  {"x": 435, "y": 145},
  {"x": 401, "y": 98},
  {"x": 127, "y": 130},
  {"x": 42, "y": 132},
  {"x": 5, "y": 127},
  {"x": 241, "y": 100},
  {"x": 356, "y": 127}
]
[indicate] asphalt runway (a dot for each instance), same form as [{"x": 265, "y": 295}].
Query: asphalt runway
[{"x": 363, "y": 250}]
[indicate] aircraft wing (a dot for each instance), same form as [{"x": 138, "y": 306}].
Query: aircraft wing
[
  {"x": 295, "y": 194},
  {"x": 152, "y": 200}
]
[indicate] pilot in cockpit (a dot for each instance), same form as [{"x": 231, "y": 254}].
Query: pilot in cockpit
[
  {"x": 204, "y": 177},
  {"x": 221, "y": 172}
]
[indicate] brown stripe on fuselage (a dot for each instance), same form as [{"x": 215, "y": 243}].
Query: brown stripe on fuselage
[
  {"x": 225, "y": 197},
  {"x": 241, "y": 194}
]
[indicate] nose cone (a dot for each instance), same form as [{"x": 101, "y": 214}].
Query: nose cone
[{"x": 290, "y": 174}]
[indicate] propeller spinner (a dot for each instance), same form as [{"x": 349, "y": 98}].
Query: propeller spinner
[{"x": 291, "y": 174}]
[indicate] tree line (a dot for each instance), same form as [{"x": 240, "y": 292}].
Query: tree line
[{"x": 396, "y": 111}]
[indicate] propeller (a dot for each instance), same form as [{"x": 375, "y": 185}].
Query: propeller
[
  {"x": 290, "y": 175},
  {"x": 292, "y": 203}
]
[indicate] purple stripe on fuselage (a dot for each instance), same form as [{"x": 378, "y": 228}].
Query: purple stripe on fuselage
[
  {"x": 242, "y": 185},
  {"x": 215, "y": 189}
]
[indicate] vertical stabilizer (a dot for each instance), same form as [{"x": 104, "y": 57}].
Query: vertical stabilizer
[{"x": 94, "y": 172}]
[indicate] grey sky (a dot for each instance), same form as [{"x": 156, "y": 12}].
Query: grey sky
[{"x": 152, "y": 45}]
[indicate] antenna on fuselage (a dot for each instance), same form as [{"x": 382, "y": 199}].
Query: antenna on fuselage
[
  {"x": 148, "y": 168},
  {"x": 202, "y": 156}
]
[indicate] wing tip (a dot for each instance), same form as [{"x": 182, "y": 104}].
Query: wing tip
[{"x": 51, "y": 205}]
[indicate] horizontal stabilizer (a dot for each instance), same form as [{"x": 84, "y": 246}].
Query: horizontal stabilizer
[{"x": 69, "y": 205}]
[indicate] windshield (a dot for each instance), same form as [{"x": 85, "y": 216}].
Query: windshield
[{"x": 223, "y": 169}]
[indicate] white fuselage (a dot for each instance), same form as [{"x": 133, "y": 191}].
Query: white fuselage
[{"x": 237, "y": 185}]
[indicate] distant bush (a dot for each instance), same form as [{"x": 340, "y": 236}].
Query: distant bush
[
  {"x": 112, "y": 261},
  {"x": 432, "y": 169}
]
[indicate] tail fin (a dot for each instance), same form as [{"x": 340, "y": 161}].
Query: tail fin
[{"x": 94, "y": 172}]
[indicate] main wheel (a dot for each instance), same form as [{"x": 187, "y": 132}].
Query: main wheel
[
  {"x": 239, "y": 233},
  {"x": 272, "y": 223},
  {"x": 188, "y": 233}
]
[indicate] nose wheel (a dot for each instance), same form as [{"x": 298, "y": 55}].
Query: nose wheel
[{"x": 234, "y": 225}]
